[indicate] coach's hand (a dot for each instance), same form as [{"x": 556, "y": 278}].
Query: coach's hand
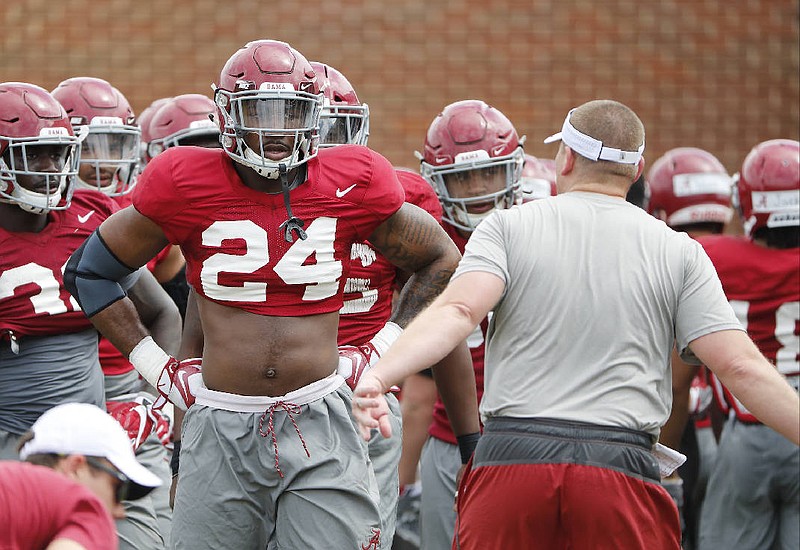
[{"x": 370, "y": 408}]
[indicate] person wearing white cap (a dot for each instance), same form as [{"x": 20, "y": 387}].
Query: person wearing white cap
[
  {"x": 589, "y": 292},
  {"x": 87, "y": 446}
]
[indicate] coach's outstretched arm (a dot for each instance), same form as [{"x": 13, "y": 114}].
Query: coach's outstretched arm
[
  {"x": 432, "y": 335},
  {"x": 740, "y": 366}
]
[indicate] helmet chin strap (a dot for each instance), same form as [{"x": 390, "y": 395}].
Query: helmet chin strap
[{"x": 293, "y": 223}]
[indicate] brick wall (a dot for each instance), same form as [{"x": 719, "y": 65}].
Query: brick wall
[{"x": 707, "y": 73}]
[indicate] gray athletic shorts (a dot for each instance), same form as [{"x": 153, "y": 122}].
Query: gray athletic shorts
[
  {"x": 753, "y": 496},
  {"x": 385, "y": 456},
  {"x": 235, "y": 491},
  {"x": 438, "y": 468}
]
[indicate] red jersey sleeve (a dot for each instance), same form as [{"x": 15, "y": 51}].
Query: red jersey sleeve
[{"x": 420, "y": 193}]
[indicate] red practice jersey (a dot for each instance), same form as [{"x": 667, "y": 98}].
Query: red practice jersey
[
  {"x": 440, "y": 426},
  {"x": 230, "y": 235},
  {"x": 125, "y": 201},
  {"x": 371, "y": 280},
  {"x": 33, "y": 300},
  {"x": 763, "y": 287}
]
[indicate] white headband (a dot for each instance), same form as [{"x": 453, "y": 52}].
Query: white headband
[{"x": 591, "y": 148}]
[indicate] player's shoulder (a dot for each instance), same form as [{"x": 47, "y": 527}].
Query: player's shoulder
[
  {"x": 724, "y": 244},
  {"x": 84, "y": 200},
  {"x": 355, "y": 172},
  {"x": 356, "y": 161},
  {"x": 185, "y": 158},
  {"x": 419, "y": 192}
]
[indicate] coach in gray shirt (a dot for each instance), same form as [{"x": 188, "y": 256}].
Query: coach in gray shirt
[{"x": 589, "y": 293}]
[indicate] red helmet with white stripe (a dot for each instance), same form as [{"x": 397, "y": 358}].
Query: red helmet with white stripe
[
  {"x": 768, "y": 185},
  {"x": 344, "y": 118},
  {"x": 110, "y": 150},
  {"x": 30, "y": 117},
  {"x": 268, "y": 107},
  {"x": 688, "y": 185},
  {"x": 182, "y": 120},
  {"x": 473, "y": 158}
]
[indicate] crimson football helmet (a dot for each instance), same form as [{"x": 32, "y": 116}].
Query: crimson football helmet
[
  {"x": 143, "y": 120},
  {"x": 110, "y": 150},
  {"x": 344, "y": 118},
  {"x": 768, "y": 185},
  {"x": 179, "y": 121},
  {"x": 538, "y": 178},
  {"x": 31, "y": 117},
  {"x": 473, "y": 158},
  {"x": 688, "y": 185},
  {"x": 268, "y": 92}
]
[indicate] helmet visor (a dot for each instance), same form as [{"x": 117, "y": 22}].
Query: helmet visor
[
  {"x": 110, "y": 147},
  {"x": 276, "y": 114}
]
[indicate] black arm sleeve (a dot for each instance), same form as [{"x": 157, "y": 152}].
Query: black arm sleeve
[{"x": 95, "y": 277}]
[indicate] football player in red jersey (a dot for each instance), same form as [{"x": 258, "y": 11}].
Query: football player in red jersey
[
  {"x": 370, "y": 288},
  {"x": 753, "y": 496},
  {"x": 266, "y": 226},
  {"x": 49, "y": 349},
  {"x": 473, "y": 159},
  {"x": 690, "y": 190}
]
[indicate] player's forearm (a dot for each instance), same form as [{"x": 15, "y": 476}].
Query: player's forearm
[
  {"x": 120, "y": 323},
  {"x": 455, "y": 380},
  {"x": 158, "y": 312},
  {"x": 423, "y": 287}
]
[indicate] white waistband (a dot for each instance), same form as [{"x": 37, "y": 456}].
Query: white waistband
[{"x": 260, "y": 403}]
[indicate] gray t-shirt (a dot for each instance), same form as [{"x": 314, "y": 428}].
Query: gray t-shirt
[{"x": 597, "y": 291}]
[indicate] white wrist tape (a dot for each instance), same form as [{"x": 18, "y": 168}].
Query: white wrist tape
[
  {"x": 386, "y": 337},
  {"x": 149, "y": 359}
]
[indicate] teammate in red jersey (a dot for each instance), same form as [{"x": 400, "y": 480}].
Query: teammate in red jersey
[
  {"x": 473, "y": 159},
  {"x": 371, "y": 285},
  {"x": 266, "y": 227},
  {"x": 753, "y": 498},
  {"x": 690, "y": 190},
  {"x": 49, "y": 350}
]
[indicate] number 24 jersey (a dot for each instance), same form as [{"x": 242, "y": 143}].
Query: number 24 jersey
[{"x": 230, "y": 235}]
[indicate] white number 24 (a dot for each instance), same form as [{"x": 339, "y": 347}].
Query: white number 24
[{"x": 321, "y": 278}]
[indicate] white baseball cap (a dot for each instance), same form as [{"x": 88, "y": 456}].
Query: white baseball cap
[
  {"x": 84, "y": 429},
  {"x": 591, "y": 148}
]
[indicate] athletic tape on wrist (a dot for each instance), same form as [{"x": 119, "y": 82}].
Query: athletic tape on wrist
[{"x": 149, "y": 360}]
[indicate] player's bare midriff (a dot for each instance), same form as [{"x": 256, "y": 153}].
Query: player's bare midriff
[{"x": 249, "y": 354}]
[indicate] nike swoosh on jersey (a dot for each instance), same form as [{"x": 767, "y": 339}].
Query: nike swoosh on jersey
[
  {"x": 342, "y": 192},
  {"x": 85, "y": 217}
]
